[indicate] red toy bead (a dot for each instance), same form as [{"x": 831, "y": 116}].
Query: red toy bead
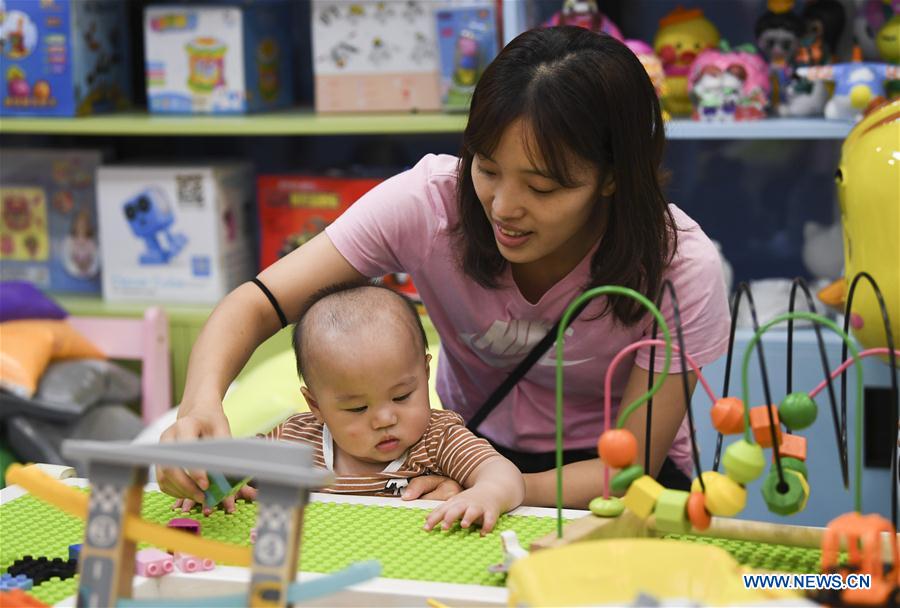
[
  {"x": 697, "y": 513},
  {"x": 617, "y": 448}
]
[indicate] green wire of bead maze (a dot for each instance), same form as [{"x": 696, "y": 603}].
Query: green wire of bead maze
[{"x": 338, "y": 534}]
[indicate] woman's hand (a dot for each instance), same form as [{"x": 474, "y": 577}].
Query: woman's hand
[
  {"x": 431, "y": 487},
  {"x": 191, "y": 426}
]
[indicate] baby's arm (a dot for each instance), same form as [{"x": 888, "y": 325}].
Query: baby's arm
[{"x": 493, "y": 488}]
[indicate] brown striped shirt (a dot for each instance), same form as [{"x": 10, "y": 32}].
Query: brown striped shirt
[{"x": 446, "y": 448}]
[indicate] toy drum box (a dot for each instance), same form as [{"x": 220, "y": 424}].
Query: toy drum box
[
  {"x": 175, "y": 234},
  {"x": 226, "y": 59}
]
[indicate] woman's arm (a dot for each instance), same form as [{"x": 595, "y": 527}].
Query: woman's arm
[
  {"x": 240, "y": 323},
  {"x": 583, "y": 481}
]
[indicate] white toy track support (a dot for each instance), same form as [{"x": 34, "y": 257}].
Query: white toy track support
[{"x": 816, "y": 72}]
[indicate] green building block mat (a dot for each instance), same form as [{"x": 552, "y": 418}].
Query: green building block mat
[{"x": 336, "y": 535}]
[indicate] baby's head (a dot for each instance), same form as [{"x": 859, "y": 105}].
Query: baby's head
[{"x": 361, "y": 355}]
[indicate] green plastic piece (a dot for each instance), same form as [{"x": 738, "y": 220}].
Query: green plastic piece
[
  {"x": 744, "y": 462},
  {"x": 607, "y": 507},
  {"x": 671, "y": 511},
  {"x": 335, "y": 535},
  {"x": 794, "y": 464},
  {"x": 622, "y": 480},
  {"x": 798, "y": 411},
  {"x": 787, "y": 502}
]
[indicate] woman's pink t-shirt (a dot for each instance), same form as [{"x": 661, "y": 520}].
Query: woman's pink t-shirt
[{"x": 402, "y": 226}]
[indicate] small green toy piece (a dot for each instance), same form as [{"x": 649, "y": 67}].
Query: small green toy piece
[
  {"x": 786, "y": 502},
  {"x": 607, "y": 507},
  {"x": 671, "y": 512},
  {"x": 795, "y": 464},
  {"x": 221, "y": 487},
  {"x": 743, "y": 461},
  {"x": 624, "y": 478},
  {"x": 798, "y": 411}
]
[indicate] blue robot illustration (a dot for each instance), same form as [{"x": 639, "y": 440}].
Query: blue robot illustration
[{"x": 150, "y": 215}]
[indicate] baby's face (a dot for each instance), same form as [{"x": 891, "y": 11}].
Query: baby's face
[{"x": 373, "y": 395}]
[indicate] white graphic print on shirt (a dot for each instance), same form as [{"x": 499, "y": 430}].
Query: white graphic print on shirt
[{"x": 506, "y": 343}]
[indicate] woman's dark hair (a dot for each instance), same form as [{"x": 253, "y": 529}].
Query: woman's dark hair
[{"x": 587, "y": 95}]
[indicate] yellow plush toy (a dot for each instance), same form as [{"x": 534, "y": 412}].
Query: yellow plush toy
[
  {"x": 682, "y": 35},
  {"x": 868, "y": 181}
]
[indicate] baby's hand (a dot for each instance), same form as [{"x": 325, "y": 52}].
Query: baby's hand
[
  {"x": 471, "y": 506},
  {"x": 185, "y": 504}
]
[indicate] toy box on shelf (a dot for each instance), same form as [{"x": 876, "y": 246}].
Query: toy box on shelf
[
  {"x": 295, "y": 208},
  {"x": 230, "y": 58},
  {"x": 48, "y": 218},
  {"x": 467, "y": 41},
  {"x": 375, "y": 56},
  {"x": 175, "y": 234},
  {"x": 63, "y": 58}
]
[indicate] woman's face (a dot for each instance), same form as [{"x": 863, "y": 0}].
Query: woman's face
[{"x": 536, "y": 220}]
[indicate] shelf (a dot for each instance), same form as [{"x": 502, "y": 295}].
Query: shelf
[
  {"x": 291, "y": 122},
  {"x": 773, "y": 128},
  {"x": 307, "y": 122}
]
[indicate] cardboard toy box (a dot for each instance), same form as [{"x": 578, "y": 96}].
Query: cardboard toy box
[
  {"x": 175, "y": 234},
  {"x": 63, "y": 57},
  {"x": 371, "y": 56},
  {"x": 48, "y": 218},
  {"x": 467, "y": 43},
  {"x": 295, "y": 208},
  {"x": 228, "y": 58}
]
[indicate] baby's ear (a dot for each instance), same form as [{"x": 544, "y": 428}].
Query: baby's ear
[
  {"x": 427, "y": 366},
  {"x": 312, "y": 403}
]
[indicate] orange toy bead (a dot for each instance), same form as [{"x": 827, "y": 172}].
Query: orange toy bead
[
  {"x": 728, "y": 415},
  {"x": 617, "y": 448},
  {"x": 697, "y": 513},
  {"x": 759, "y": 422},
  {"x": 792, "y": 446}
]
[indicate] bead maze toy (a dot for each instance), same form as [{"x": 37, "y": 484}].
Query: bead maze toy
[{"x": 648, "y": 511}]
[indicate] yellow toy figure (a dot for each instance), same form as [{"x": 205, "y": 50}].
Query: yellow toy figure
[
  {"x": 868, "y": 181},
  {"x": 682, "y": 34}
]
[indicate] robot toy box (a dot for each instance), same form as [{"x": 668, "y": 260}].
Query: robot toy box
[
  {"x": 228, "y": 58},
  {"x": 48, "y": 219},
  {"x": 63, "y": 57},
  {"x": 175, "y": 234},
  {"x": 467, "y": 41},
  {"x": 293, "y": 209},
  {"x": 373, "y": 56}
]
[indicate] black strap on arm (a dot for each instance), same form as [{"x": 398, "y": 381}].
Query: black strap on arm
[
  {"x": 521, "y": 369},
  {"x": 272, "y": 301}
]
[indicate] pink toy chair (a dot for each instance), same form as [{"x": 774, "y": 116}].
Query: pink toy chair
[{"x": 145, "y": 340}]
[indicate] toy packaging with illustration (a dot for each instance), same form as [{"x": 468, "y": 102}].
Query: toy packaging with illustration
[
  {"x": 48, "y": 219},
  {"x": 375, "y": 56},
  {"x": 175, "y": 234},
  {"x": 226, "y": 59},
  {"x": 63, "y": 57},
  {"x": 467, "y": 41},
  {"x": 293, "y": 209}
]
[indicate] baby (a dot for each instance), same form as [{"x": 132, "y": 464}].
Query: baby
[{"x": 361, "y": 353}]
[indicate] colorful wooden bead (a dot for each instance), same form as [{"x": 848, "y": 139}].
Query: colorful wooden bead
[
  {"x": 724, "y": 496},
  {"x": 759, "y": 422},
  {"x": 617, "y": 448},
  {"x": 784, "y": 500},
  {"x": 798, "y": 411},
  {"x": 642, "y": 495},
  {"x": 805, "y": 485},
  {"x": 624, "y": 478},
  {"x": 744, "y": 461},
  {"x": 792, "y": 446},
  {"x": 671, "y": 511},
  {"x": 795, "y": 464},
  {"x": 696, "y": 511},
  {"x": 728, "y": 415},
  {"x": 607, "y": 507}
]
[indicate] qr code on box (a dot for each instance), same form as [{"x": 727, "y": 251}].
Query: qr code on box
[{"x": 189, "y": 190}]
